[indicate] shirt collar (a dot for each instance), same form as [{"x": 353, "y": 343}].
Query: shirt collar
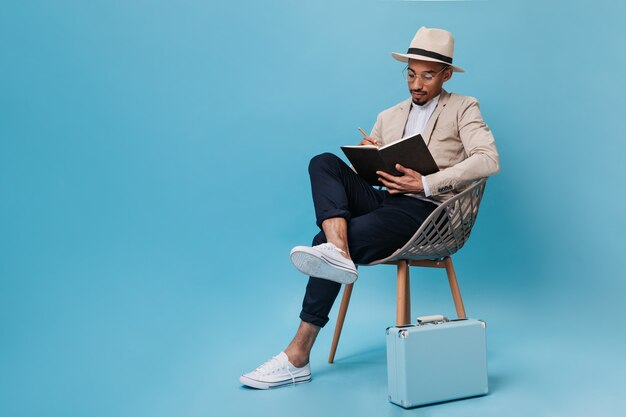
[{"x": 427, "y": 106}]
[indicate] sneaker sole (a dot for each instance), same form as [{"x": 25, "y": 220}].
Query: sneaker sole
[
  {"x": 321, "y": 267},
  {"x": 253, "y": 383}
]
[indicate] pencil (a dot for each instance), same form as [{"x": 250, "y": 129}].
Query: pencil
[{"x": 361, "y": 130}]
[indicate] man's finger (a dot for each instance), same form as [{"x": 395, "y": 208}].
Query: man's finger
[
  {"x": 368, "y": 141},
  {"x": 371, "y": 140},
  {"x": 388, "y": 184},
  {"x": 404, "y": 170},
  {"x": 387, "y": 175}
]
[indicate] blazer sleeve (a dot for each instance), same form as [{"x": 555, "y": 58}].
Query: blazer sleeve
[
  {"x": 482, "y": 156},
  {"x": 378, "y": 129}
]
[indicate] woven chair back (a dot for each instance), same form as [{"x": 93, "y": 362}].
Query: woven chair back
[{"x": 445, "y": 230}]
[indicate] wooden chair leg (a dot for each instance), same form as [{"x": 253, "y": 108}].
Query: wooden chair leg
[
  {"x": 403, "y": 295},
  {"x": 343, "y": 309},
  {"x": 454, "y": 288}
]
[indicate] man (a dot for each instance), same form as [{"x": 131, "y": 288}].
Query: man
[{"x": 361, "y": 223}]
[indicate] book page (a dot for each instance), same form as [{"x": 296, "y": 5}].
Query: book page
[{"x": 398, "y": 141}]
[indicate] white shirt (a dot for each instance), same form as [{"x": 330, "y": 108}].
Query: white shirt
[{"x": 418, "y": 118}]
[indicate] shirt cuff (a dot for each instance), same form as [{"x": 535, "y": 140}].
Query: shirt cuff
[{"x": 426, "y": 189}]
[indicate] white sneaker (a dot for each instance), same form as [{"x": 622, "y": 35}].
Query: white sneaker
[
  {"x": 277, "y": 372},
  {"x": 324, "y": 261}
]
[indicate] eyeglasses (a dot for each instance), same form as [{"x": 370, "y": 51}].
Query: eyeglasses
[{"x": 426, "y": 77}]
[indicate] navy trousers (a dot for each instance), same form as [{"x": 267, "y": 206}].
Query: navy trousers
[{"x": 378, "y": 224}]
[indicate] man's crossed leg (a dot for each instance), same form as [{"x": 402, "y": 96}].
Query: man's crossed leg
[{"x": 360, "y": 224}]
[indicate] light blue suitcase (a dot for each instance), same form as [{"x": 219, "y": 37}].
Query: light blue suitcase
[{"x": 436, "y": 360}]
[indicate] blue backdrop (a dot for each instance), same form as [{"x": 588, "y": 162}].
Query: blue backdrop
[{"x": 153, "y": 179}]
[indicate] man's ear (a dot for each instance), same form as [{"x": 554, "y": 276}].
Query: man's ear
[{"x": 447, "y": 74}]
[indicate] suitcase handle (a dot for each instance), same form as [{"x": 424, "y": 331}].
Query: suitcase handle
[{"x": 438, "y": 318}]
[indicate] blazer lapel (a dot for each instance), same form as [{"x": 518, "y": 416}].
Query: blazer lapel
[
  {"x": 428, "y": 130},
  {"x": 397, "y": 129}
]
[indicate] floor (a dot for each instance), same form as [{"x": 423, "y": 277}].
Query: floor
[{"x": 165, "y": 340}]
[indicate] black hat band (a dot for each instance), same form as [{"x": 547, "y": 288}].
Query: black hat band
[{"x": 429, "y": 54}]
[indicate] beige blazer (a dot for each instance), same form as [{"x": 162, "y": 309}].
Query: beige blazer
[{"x": 456, "y": 135}]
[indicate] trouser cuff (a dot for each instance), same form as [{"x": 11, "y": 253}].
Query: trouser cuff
[
  {"x": 310, "y": 318},
  {"x": 331, "y": 214}
]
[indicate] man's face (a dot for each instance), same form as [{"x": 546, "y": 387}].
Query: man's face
[{"x": 422, "y": 92}]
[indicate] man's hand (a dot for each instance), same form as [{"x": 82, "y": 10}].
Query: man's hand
[
  {"x": 368, "y": 140},
  {"x": 410, "y": 182}
]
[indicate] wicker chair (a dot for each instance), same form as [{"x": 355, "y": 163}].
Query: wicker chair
[{"x": 442, "y": 234}]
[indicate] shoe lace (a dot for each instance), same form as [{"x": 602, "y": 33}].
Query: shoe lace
[
  {"x": 330, "y": 246},
  {"x": 273, "y": 365},
  {"x": 270, "y": 366}
]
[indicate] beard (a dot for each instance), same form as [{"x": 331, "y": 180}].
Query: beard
[{"x": 419, "y": 100}]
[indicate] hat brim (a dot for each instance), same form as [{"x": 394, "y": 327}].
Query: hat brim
[{"x": 406, "y": 57}]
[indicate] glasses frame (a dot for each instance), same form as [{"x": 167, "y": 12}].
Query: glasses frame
[{"x": 405, "y": 74}]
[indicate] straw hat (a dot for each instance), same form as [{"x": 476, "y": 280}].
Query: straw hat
[{"x": 435, "y": 45}]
